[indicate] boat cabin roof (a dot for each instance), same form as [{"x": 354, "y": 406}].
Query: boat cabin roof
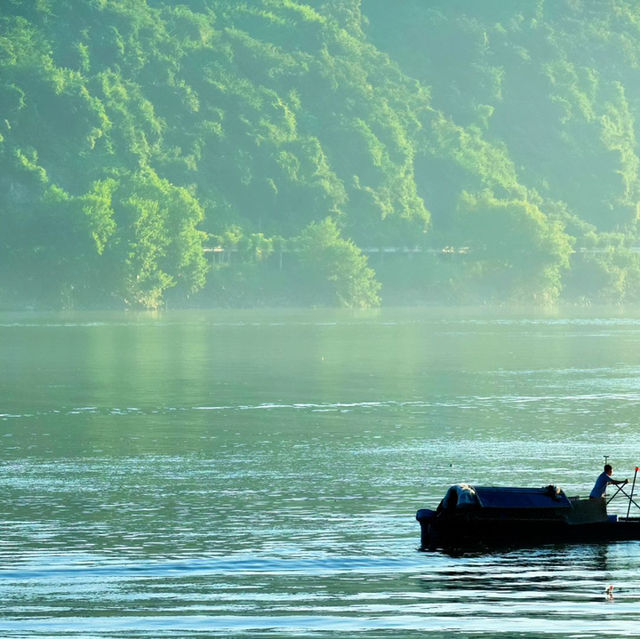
[
  {"x": 462, "y": 495},
  {"x": 549, "y": 497}
]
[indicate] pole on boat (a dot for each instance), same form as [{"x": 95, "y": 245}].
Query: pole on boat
[
  {"x": 619, "y": 490},
  {"x": 632, "y": 489}
]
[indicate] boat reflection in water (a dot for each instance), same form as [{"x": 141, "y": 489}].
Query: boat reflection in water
[{"x": 476, "y": 516}]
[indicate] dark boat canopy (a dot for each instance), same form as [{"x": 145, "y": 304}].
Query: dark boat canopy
[
  {"x": 465, "y": 496},
  {"x": 549, "y": 497}
]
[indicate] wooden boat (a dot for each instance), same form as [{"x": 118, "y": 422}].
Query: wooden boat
[{"x": 476, "y": 516}]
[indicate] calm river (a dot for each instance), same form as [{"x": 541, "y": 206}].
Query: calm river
[{"x": 257, "y": 473}]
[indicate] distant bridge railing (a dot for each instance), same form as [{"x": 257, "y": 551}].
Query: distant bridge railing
[{"x": 221, "y": 254}]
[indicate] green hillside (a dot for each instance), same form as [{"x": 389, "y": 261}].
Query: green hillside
[{"x": 223, "y": 152}]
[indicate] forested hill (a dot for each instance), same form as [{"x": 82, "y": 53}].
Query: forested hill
[{"x": 322, "y": 152}]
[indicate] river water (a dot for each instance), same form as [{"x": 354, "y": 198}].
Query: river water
[{"x": 257, "y": 473}]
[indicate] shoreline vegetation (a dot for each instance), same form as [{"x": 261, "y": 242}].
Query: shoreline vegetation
[{"x": 222, "y": 153}]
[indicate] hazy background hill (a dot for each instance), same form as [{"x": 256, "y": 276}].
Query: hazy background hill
[{"x": 337, "y": 152}]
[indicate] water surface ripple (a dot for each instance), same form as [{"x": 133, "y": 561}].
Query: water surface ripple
[{"x": 257, "y": 474}]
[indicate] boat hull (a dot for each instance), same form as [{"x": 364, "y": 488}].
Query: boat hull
[{"x": 472, "y": 530}]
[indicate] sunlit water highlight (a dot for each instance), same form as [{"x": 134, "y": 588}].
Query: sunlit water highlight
[{"x": 257, "y": 474}]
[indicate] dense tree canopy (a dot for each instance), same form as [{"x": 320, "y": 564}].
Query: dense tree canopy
[{"x": 288, "y": 151}]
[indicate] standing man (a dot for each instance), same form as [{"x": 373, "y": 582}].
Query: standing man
[{"x": 604, "y": 478}]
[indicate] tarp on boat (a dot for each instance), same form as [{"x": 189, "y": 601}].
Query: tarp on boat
[
  {"x": 460, "y": 496},
  {"x": 536, "y": 498}
]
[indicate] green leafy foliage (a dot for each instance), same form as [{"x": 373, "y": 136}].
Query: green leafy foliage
[
  {"x": 296, "y": 137},
  {"x": 514, "y": 243},
  {"x": 157, "y": 244},
  {"x": 335, "y": 269}
]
